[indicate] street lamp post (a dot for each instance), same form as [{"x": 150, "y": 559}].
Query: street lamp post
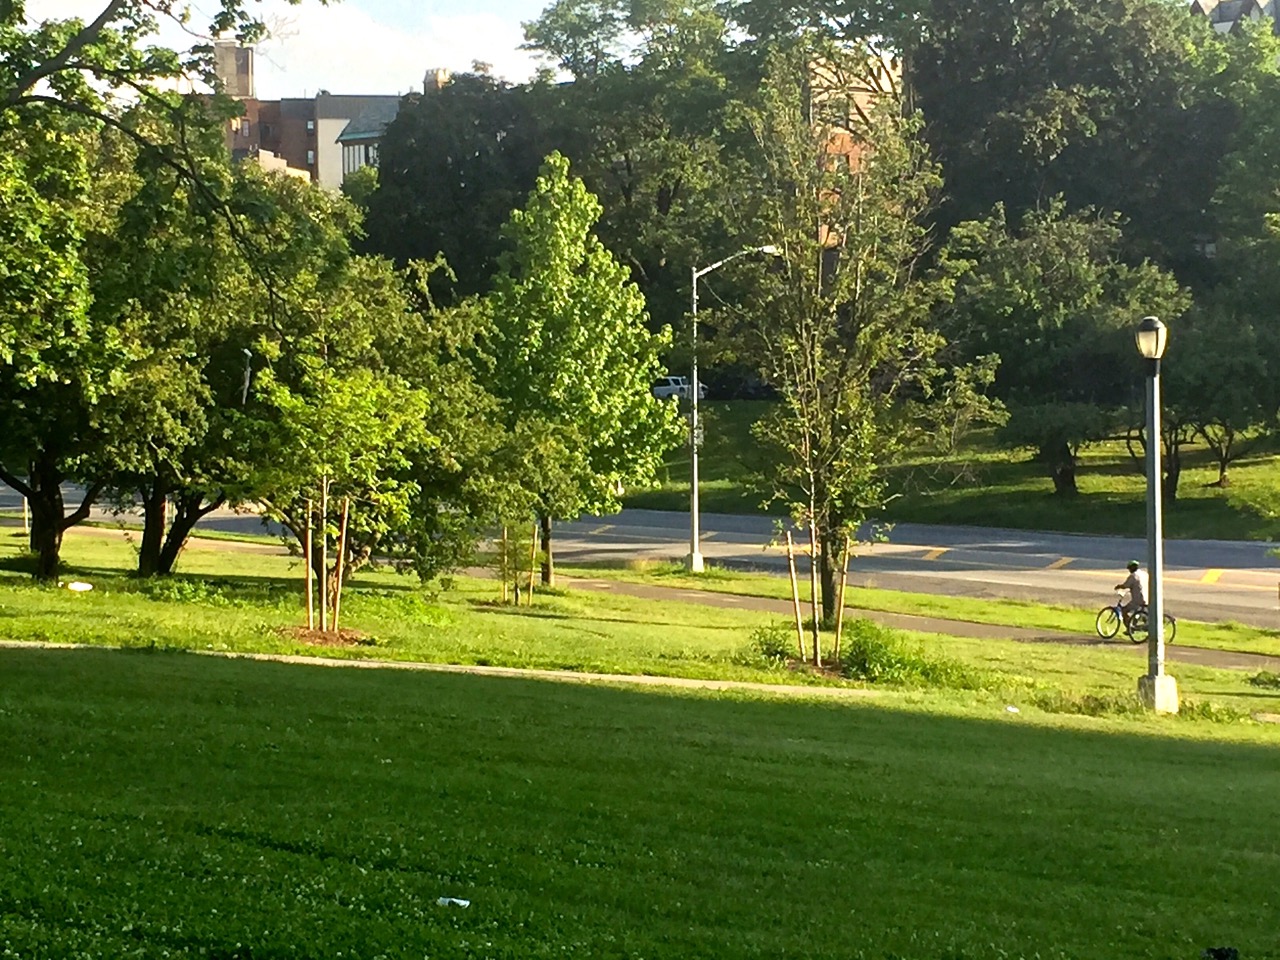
[
  {"x": 1158, "y": 690},
  {"x": 694, "y": 561}
]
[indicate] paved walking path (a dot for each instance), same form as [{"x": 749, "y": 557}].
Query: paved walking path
[{"x": 1201, "y": 656}]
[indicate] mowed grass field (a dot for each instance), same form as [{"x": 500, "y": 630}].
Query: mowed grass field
[
  {"x": 987, "y": 485},
  {"x": 166, "y": 805},
  {"x": 247, "y": 599}
]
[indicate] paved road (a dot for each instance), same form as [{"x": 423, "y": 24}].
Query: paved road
[
  {"x": 1205, "y": 579},
  {"x": 224, "y": 519}
]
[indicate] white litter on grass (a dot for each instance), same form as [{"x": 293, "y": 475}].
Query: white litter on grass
[
  {"x": 1011, "y": 709},
  {"x": 78, "y": 586},
  {"x": 453, "y": 902}
]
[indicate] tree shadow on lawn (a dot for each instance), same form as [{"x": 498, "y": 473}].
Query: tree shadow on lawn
[{"x": 1117, "y": 836}]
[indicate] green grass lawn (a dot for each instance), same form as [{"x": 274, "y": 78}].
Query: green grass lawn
[
  {"x": 242, "y": 599},
  {"x": 989, "y": 486},
  {"x": 156, "y": 805}
]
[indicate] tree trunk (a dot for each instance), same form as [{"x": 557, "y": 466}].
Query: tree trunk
[
  {"x": 548, "y": 561},
  {"x": 153, "y": 527},
  {"x": 1173, "y": 472},
  {"x": 188, "y": 511},
  {"x": 827, "y": 571},
  {"x": 1062, "y": 468},
  {"x": 46, "y": 536},
  {"x": 47, "y": 519}
]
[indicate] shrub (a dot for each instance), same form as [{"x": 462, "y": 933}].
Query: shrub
[
  {"x": 770, "y": 645},
  {"x": 877, "y": 654},
  {"x": 1265, "y": 679}
]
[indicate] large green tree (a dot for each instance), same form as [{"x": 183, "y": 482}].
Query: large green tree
[
  {"x": 646, "y": 125},
  {"x": 573, "y": 361},
  {"x": 453, "y": 165},
  {"x": 1125, "y": 106},
  {"x": 54, "y": 364},
  {"x": 1051, "y": 297}
]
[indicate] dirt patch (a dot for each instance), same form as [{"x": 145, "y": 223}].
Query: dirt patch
[{"x": 315, "y": 638}]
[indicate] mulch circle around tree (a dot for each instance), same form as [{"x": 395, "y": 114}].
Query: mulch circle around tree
[{"x": 316, "y": 638}]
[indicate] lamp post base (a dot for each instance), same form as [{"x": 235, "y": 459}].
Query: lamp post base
[
  {"x": 1159, "y": 693},
  {"x": 693, "y": 562}
]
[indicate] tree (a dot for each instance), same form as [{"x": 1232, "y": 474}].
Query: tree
[
  {"x": 1124, "y": 106},
  {"x": 841, "y": 326},
  {"x": 646, "y": 126},
  {"x": 1218, "y": 379},
  {"x": 453, "y": 165},
  {"x": 1052, "y": 299},
  {"x": 572, "y": 360},
  {"x": 54, "y": 365}
]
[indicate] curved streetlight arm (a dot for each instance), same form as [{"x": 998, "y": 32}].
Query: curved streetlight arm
[
  {"x": 694, "y": 560},
  {"x": 767, "y": 248}
]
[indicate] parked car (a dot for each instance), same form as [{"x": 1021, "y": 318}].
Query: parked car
[{"x": 677, "y": 387}]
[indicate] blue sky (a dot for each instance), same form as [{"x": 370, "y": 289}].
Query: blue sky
[{"x": 367, "y": 46}]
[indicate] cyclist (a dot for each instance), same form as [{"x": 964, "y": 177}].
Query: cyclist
[{"x": 1136, "y": 584}]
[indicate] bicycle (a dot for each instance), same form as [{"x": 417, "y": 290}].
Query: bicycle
[{"x": 1111, "y": 618}]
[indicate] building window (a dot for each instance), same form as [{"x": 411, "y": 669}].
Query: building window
[
  {"x": 311, "y": 158},
  {"x": 311, "y": 126},
  {"x": 244, "y": 127}
]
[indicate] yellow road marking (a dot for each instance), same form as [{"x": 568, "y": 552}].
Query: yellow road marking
[
  {"x": 599, "y": 530},
  {"x": 1059, "y": 563},
  {"x": 936, "y": 552},
  {"x": 1211, "y": 576}
]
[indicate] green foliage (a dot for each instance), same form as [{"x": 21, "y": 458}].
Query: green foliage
[
  {"x": 572, "y": 360},
  {"x": 841, "y": 324},
  {"x": 1265, "y": 678},
  {"x": 453, "y": 165},
  {"x": 1054, "y": 301},
  {"x": 1124, "y": 107},
  {"x": 877, "y": 654},
  {"x": 772, "y": 644}
]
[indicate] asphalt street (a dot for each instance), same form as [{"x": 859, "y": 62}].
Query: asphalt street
[{"x": 1204, "y": 579}]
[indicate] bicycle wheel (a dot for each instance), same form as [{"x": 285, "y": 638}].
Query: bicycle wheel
[
  {"x": 1108, "y": 623},
  {"x": 1138, "y": 626},
  {"x": 1170, "y": 627}
]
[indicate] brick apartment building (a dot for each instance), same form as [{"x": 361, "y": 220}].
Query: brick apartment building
[{"x": 301, "y": 132}]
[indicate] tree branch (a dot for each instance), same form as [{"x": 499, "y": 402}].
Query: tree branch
[
  {"x": 12, "y": 480},
  {"x": 81, "y": 512},
  {"x": 60, "y": 60}
]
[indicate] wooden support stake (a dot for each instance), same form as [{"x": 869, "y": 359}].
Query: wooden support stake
[
  {"x": 844, "y": 580},
  {"x": 324, "y": 554},
  {"x": 814, "y": 600},
  {"x": 795, "y": 593},
  {"x": 504, "y": 564},
  {"x": 533, "y": 558},
  {"x": 306, "y": 560},
  {"x": 340, "y": 563}
]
